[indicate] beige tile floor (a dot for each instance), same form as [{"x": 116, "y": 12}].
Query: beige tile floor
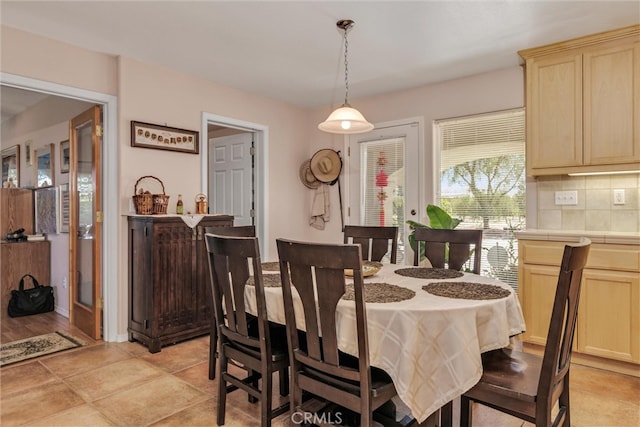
[{"x": 122, "y": 384}]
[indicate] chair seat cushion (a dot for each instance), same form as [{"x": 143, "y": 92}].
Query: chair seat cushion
[
  {"x": 277, "y": 335},
  {"x": 508, "y": 373},
  {"x": 380, "y": 380}
]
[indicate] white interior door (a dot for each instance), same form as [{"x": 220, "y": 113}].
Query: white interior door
[
  {"x": 383, "y": 180},
  {"x": 231, "y": 177}
]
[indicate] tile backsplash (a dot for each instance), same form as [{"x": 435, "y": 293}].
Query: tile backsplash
[{"x": 596, "y": 209}]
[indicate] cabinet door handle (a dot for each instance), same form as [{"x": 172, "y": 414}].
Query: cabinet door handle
[{"x": 193, "y": 233}]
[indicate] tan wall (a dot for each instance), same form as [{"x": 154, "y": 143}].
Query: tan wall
[{"x": 29, "y": 55}]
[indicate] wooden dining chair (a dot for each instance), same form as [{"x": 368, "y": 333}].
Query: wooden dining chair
[
  {"x": 375, "y": 241},
  {"x": 236, "y": 231},
  {"x": 246, "y": 340},
  {"x": 316, "y": 271},
  {"x": 528, "y": 386},
  {"x": 449, "y": 248}
]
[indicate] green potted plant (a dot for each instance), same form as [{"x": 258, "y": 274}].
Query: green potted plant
[{"x": 438, "y": 218}]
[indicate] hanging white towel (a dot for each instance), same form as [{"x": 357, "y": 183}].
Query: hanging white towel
[{"x": 320, "y": 207}]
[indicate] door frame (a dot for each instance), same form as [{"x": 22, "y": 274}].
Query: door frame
[
  {"x": 111, "y": 236},
  {"x": 261, "y": 133}
]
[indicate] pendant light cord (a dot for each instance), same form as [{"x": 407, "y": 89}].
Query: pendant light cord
[{"x": 346, "y": 68}]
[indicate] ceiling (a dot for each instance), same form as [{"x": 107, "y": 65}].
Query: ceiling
[{"x": 292, "y": 51}]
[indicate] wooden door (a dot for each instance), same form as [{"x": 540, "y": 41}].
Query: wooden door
[{"x": 85, "y": 226}]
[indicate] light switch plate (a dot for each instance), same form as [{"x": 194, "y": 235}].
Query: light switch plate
[
  {"x": 566, "y": 197},
  {"x": 619, "y": 197}
]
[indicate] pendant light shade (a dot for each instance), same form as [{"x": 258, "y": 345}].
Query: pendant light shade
[{"x": 346, "y": 119}]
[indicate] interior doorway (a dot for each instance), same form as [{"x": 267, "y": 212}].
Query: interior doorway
[
  {"x": 109, "y": 166},
  {"x": 255, "y": 187}
]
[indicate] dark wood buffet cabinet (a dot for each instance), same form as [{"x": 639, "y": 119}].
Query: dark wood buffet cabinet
[{"x": 169, "y": 279}]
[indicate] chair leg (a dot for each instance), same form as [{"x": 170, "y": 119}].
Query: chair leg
[
  {"x": 254, "y": 383},
  {"x": 213, "y": 351},
  {"x": 222, "y": 388},
  {"x": 563, "y": 405},
  {"x": 265, "y": 400},
  {"x": 446, "y": 415},
  {"x": 466, "y": 410},
  {"x": 283, "y": 380}
]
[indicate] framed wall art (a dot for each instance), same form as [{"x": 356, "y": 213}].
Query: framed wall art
[
  {"x": 148, "y": 135},
  {"x": 64, "y": 156},
  {"x": 46, "y": 209},
  {"x": 45, "y": 172},
  {"x": 28, "y": 152},
  {"x": 11, "y": 167}
]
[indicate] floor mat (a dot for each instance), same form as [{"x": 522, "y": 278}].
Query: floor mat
[{"x": 18, "y": 351}]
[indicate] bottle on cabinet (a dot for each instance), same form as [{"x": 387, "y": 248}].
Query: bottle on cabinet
[{"x": 179, "y": 205}]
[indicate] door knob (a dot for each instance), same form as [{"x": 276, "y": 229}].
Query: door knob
[{"x": 413, "y": 211}]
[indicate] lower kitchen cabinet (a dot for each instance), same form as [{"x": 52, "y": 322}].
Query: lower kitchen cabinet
[
  {"x": 608, "y": 323},
  {"x": 608, "y": 315},
  {"x": 169, "y": 290}
]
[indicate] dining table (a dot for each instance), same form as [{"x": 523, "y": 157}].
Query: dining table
[{"x": 427, "y": 327}]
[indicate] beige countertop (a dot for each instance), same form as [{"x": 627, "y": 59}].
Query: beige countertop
[{"x": 611, "y": 237}]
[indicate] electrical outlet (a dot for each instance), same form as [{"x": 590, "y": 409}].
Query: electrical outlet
[
  {"x": 619, "y": 197},
  {"x": 64, "y": 282},
  {"x": 566, "y": 197}
]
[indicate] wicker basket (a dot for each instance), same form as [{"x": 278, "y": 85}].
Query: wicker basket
[{"x": 147, "y": 203}]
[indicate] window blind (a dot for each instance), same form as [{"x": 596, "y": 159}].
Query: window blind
[{"x": 482, "y": 182}]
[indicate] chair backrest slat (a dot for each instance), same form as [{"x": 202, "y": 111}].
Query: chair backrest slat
[
  {"x": 236, "y": 231},
  {"x": 459, "y": 242},
  {"x": 375, "y": 241}
]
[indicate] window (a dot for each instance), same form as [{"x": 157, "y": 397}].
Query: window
[{"x": 482, "y": 182}]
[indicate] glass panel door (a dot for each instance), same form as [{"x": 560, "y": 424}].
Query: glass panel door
[
  {"x": 86, "y": 222},
  {"x": 383, "y": 181}
]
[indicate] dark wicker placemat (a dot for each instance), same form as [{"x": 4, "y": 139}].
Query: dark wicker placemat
[
  {"x": 271, "y": 266},
  {"x": 269, "y": 280},
  {"x": 429, "y": 273},
  {"x": 466, "y": 290},
  {"x": 380, "y": 292}
]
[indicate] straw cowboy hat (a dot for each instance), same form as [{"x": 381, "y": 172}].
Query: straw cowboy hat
[
  {"x": 326, "y": 165},
  {"x": 307, "y": 177}
]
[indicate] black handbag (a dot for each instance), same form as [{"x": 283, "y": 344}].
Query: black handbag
[{"x": 25, "y": 302}]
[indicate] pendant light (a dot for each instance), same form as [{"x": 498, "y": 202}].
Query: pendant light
[{"x": 346, "y": 119}]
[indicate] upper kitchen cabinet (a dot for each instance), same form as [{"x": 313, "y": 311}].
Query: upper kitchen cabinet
[{"x": 583, "y": 104}]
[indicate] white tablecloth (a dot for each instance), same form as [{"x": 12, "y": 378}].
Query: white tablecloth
[{"x": 429, "y": 345}]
